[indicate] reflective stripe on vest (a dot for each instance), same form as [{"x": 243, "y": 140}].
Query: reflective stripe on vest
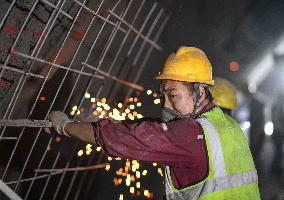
[
  {"x": 218, "y": 162},
  {"x": 220, "y": 180}
]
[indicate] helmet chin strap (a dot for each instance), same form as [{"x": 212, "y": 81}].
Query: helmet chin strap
[{"x": 196, "y": 100}]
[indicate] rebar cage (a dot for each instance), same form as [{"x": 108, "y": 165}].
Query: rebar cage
[{"x": 53, "y": 52}]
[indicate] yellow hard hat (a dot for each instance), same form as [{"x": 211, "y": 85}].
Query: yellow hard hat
[
  {"x": 224, "y": 94},
  {"x": 188, "y": 64}
]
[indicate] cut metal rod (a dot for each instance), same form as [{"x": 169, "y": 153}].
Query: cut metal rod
[
  {"x": 127, "y": 83},
  {"x": 58, "y": 66},
  {"x": 8, "y": 138},
  {"x": 99, "y": 16},
  {"x": 25, "y": 123},
  {"x": 59, "y": 171},
  {"x": 154, "y": 44},
  {"x": 21, "y": 71},
  {"x": 73, "y": 169},
  {"x": 8, "y": 191}
]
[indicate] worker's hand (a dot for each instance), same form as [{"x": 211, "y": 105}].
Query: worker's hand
[{"x": 59, "y": 120}]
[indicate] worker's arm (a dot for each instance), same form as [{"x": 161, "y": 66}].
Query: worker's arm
[
  {"x": 177, "y": 143},
  {"x": 81, "y": 130},
  {"x": 64, "y": 126}
]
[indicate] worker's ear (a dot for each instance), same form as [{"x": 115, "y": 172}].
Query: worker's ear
[{"x": 202, "y": 93}]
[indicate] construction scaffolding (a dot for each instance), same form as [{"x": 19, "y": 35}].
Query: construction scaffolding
[{"x": 53, "y": 52}]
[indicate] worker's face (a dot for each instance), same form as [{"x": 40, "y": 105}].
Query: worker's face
[{"x": 177, "y": 96}]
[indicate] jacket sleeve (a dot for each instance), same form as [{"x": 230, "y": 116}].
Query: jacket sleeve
[{"x": 177, "y": 143}]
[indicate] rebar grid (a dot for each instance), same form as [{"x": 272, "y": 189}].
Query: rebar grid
[{"x": 91, "y": 39}]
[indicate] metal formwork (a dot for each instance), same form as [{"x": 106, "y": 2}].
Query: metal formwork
[{"x": 52, "y": 53}]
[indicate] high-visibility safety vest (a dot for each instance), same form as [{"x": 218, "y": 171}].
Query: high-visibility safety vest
[{"x": 231, "y": 174}]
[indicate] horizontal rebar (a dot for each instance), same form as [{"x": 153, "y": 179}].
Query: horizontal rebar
[
  {"x": 58, "y": 66},
  {"x": 8, "y": 138},
  {"x": 124, "y": 82},
  {"x": 24, "y": 123},
  {"x": 55, "y": 7},
  {"x": 59, "y": 171},
  {"x": 21, "y": 71},
  {"x": 73, "y": 169},
  {"x": 154, "y": 44},
  {"x": 99, "y": 16}
]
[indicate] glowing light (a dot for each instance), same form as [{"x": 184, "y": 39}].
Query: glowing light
[
  {"x": 88, "y": 151},
  {"x": 157, "y": 101},
  {"x": 234, "y": 66},
  {"x": 138, "y": 184},
  {"x": 93, "y": 100},
  {"x": 268, "y": 128},
  {"x": 99, "y": 109},
  {"x": 72, "y": 112},
  {"x": 132, "y": 178},
  {"x": 149, "y": 92},
  {"x": 74, "y": 108},
  {"x": 115, "y": 111},
  {"x": 78, "y": 112},
  {"x": 98, "y": 149},
  {"x": 109, "y": 158},
  {"x": 127, "y": 164},
  {"x": 135, "y": 113},
  {"x": 146, "y": 193},
  {"x": 139, "y": 104},
  {"x": 246, "y": 125},
  {"x": 155, "y": 164},
  {"x": 144, "y": 173},
  {"x": 132, "y": 190},
  {"x": 134, "y": 162},
  {"x": 106, "y": 107},
  {"x": 133, "y": 168},
  {"x": 88, "y": 146},
  {"x": 80, "y": 153},
  {"x": 252, "y": 87},
  {"x": 95, "y": 113},
  {"x": 137, "y": 174},
  {"x": 103, "y": 100},
  {"x": 107, "y": 167},
  {"x": 132, "y": 107},
  {"x": 99, "y": 103},
  {"x": 42, "y": 98},
  {"x": 128, "y": 180},
  {"x": 87, "y": 95},
  {"x": 130, "y": 99},
  {"x": 119, "y": 105},
  {"x": 127, "y": 110},
  {"x": 118, "y": 158},
  {"x": 120, "y": 197},
  {"x": 160, "y": 171},
  {"x": 139, "y": 116}
]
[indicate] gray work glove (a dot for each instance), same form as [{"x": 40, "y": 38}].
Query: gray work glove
[{"x": 59, "y": 120}]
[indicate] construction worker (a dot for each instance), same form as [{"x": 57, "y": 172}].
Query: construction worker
[
  {"x": 225, "y": 95},
  {"x": 205, "y": 152}
]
